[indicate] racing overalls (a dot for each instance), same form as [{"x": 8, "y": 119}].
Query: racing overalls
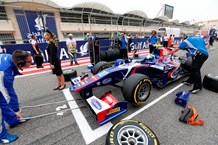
[{"x": 8, "y": 98}]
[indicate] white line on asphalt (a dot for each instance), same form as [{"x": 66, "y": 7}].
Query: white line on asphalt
[
  {"x": 152, "y": 103},
  {"x": 89, "y": 135}
]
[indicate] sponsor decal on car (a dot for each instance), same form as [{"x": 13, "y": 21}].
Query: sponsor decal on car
[
  {"x": 106, "y": 81},
  {"x": 102, "y": 73},
  {"x": 76, "y": 80},
  {"x": 94, "y": 78},
  {"x": 117, "y": 109},
  {"x": 96, "y": 104}
]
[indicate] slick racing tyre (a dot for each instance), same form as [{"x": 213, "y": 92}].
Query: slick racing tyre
[
  {"x": 210, "y": 82},
  {"x": 131, "y": 132},
  {"x": 112, "y": 55},
  {"x": 137, "y": 89},
  {"x": 68, "y": 74},
  {"x": 186, "y": 114},
  {"x": 103, "y": 55},
  {"x": 100, "y": 66}
]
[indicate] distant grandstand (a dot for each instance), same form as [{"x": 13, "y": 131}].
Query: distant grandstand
[{"x": 21, "y": 18}]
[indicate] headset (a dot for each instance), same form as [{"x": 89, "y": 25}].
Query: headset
[{"x": 21, "y": 62}]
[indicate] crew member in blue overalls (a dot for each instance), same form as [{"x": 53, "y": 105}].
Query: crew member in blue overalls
[
  {"x": 123, "y": 47},
  {"x": 152, "y": 40},
  {"x": 197, "y": 49},
  {"x": 9, "y": 106}
]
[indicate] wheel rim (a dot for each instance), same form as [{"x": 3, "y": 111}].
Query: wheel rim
[
  {"x": 143, "y": 91},
  {"x": 132, "y": 135}
]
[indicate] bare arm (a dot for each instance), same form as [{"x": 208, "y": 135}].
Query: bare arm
[{"x": 173, "y": 51}]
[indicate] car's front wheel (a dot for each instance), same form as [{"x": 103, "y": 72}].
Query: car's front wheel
[{"x": 137, "y": 89}]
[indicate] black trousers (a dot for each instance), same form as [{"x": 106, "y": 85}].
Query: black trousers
[
  {"x": 123, "y": 53},
  {"x": 151, "y": 48},
  {"x": 165, "y": 44},
  {"x": 195, "y": 70},
  {"x": 38, "y": 59}
]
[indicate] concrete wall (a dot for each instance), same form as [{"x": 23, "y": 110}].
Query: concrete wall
[
  {"x": 209, "y": 24},
  {"x": 6, "y": 26},
  {"x": 80, "y": 28}
]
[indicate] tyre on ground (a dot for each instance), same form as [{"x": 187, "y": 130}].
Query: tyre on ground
[
  {"x": 68, "y": 74},
  {"x": 137, "y": 89},
  {"x": 103, "y": 56},
  {"x": 112, "y": 55},
  {"x": 131, "y": 132},
  {"x": 210, "y": 82}
]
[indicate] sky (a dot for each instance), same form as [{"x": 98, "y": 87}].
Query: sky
[{"x": 184, "y": 10}]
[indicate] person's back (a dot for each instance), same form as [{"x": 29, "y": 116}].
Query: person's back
[
  {"x": 5, "y": 60},
  {"x": 194, "y": 43},
  {"x": 7, "y": 66}
]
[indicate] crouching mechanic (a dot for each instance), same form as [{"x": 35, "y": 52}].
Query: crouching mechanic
[
  {"x": 9, "y": 106},
  {"x": 197, "y": 49}
]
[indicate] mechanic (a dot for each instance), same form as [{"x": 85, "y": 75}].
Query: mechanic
[
  {"x": 123, "y": 46},
  {"x": 129, "y": 42},
  {"x": 152, "y": 40},
  {"x": 9, "y": 105},
  {"x": 71, "y": 46},
  {"x": 197, "y": 49}
]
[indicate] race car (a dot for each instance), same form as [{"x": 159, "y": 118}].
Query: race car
[{"x": 137, "y": 75}]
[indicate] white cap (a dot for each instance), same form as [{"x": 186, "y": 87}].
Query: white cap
[{"x": 70, "y": 34}]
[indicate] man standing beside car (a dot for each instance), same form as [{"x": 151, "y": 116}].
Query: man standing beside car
[
  {"x": 71, "y": 46},
  {"x": 123, "y": 47},
  {"x": 152, "y": 40},
  {"x": 197, "y": 49}
]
